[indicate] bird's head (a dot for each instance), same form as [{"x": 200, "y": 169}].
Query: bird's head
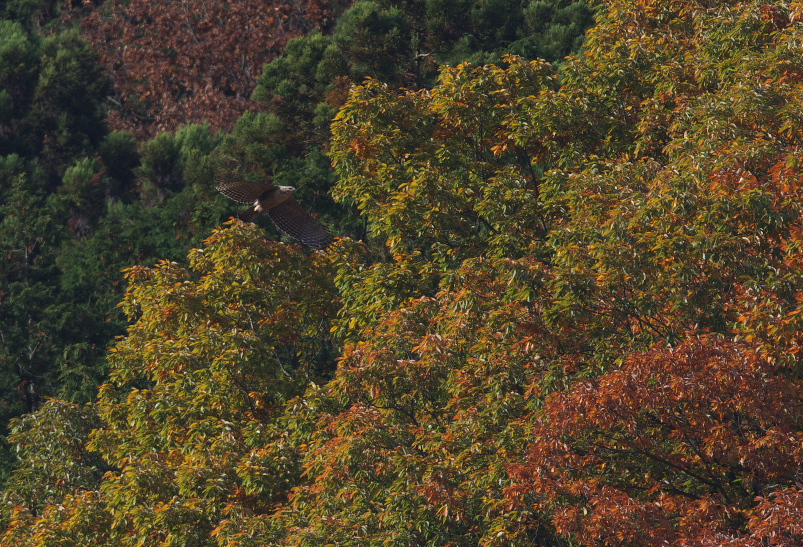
[{"x": 286, "y": 189}]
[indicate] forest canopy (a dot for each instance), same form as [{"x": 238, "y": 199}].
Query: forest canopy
[{"x": 561, "y": 307}]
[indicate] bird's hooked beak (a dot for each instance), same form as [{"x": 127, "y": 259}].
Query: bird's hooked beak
[{"x": 287, "y": 189}]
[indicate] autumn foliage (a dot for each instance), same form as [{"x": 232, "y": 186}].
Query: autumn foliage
[
  {"x": 574, "y": 319},
  {"x": 175, "y": 63},
  {"x": 671, "y": 447}
]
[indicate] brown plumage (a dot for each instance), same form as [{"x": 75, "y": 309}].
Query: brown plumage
[{"x": 282, "y": 208}]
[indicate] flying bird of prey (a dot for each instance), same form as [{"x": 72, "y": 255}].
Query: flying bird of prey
[{"x": 282, "y": 208}]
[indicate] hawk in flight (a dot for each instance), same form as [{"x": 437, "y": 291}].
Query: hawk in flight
[{"x": 282, "y": 208}]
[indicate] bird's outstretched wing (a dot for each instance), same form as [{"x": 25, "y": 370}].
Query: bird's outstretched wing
[
  {"x": 243, "y": 191},
  {"x": 249, "y": 215},
  {"x": 292, "y": 219}
]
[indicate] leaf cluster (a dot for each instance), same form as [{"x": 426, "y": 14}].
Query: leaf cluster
[{"x": 175, "y": 63}]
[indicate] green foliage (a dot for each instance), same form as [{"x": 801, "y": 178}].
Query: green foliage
[
  {"x": 55, "y": 462},
  {"x": 31, "y": 14},
  {"x": 86, "y": 191},
  {"x": 27, "y": 235},
  {"x": 29, "y": 318},
  {"x": 555, "y": 29},
  {"x": 171, "y": 161},
  {"x": 120, "y": 157},
  {"x": 192, "y": 425},
  {"x": 126, "y": 232},
  {"x": 375, "y": 41},
  {"x": 64, "y": 250},
  {"x": 52, "y": 97},
  {"x": 19, "y": 66},
  {"x": 67, "y": 109},
  {"x": 53, "y": 491},
  {"x": 299, "y": 83}
]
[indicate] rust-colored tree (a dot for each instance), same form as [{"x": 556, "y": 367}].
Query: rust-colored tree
[
  {"x": 184, "y": 62},
  {"x": 670, "y": 448}
]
